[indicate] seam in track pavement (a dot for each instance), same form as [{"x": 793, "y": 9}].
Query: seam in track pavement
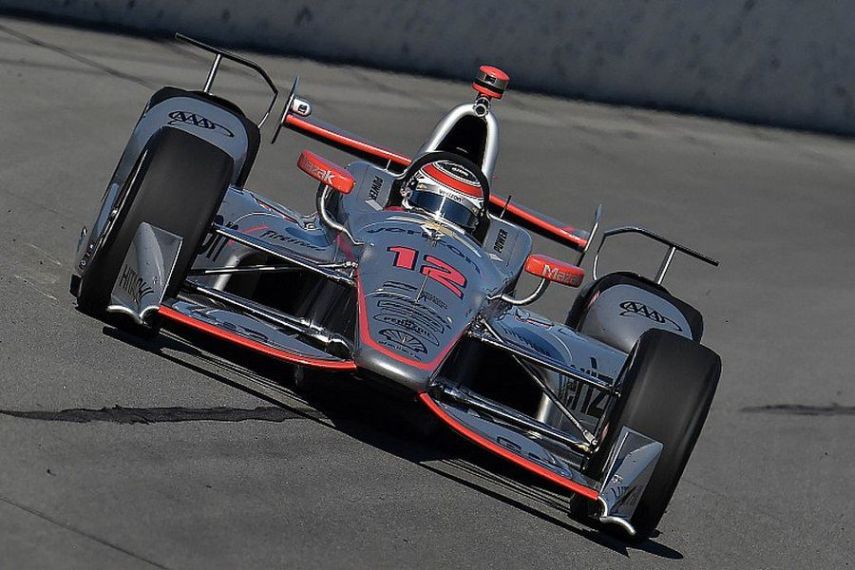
[
  {"x": 76, "y": 57},
  {"x": 79, "y": 532}
]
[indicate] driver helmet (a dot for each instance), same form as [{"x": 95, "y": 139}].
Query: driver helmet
[{"x": 446, "y": 191}]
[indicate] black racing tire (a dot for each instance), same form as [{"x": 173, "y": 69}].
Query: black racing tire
[
  {"x": 668, "y": 384},
  {"x": 179, "y": 184}
]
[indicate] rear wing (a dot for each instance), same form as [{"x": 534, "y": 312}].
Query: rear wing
[
  {"x": 296, "y": 116},
  {"x": 543, "y": 225}
]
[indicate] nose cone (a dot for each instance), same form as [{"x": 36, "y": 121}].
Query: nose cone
[
  {"x": 417, "y": 290},
  {"x": 401, "y": 337},
  {"x": 380, "y": 363}
]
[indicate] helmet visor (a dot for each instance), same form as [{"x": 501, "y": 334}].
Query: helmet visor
[{"x": 444, "y": 207}]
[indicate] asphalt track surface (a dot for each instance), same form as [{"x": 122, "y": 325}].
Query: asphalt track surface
[{"x": 122, "y": 453}]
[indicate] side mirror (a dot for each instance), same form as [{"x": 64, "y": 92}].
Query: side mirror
[
  {"x": 554, "y": 270},
  {"x": 332, "y": 178},
  {"x": 549, "y": 270},
  {"x": 326, "y": 172}
]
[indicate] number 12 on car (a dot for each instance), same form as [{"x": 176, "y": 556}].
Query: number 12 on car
[{"x": 432, "y": 267}]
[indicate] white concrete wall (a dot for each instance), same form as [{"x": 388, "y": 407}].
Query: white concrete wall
[{"x": 783, "y": 62}]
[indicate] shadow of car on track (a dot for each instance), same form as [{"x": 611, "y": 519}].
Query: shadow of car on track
[{"x": 397, "y": 425}]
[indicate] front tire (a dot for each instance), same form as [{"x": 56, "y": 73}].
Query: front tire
[
  {"x": 668, "y": 386},
  {"x": 177, "y": 186}
]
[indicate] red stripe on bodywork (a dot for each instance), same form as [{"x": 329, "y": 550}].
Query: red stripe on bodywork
[
  {"x": 559, "y": 232},
  {"x": 586, "y": 492},
  {"x": 222, "y": 334},
  {"x": 317, "y": 130}
]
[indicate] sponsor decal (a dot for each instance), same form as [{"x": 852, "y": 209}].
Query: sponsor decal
[
  {"x": 430, "y": 297},
  {"x": 376, "y": 185},
  {"x": 133, "y": 284},
  {"x": 406, "y": 308},
  {"x": 212, "y": 316},
  {"x": 583, "y": 398},
  {"x": 434, "y": 230},
  {"x": 408, "y": 324},
  {"x": 404, "y": 340},
  {"x": 501, "y": 238},
  {"x": 558, "y": 276},
  {"x": 508, "y": 444},
  {"x": 324, "y": 175},
  {"x": 197, "y": 120},
  {"x": 632, "y": 308},
  {"x": 424, "y": 296},
  {"x": 273, "y": 235}
]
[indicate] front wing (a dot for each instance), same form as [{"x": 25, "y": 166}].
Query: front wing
[
  {"x": 630, "y": 465},
  {"x": 553, "y": 454}
]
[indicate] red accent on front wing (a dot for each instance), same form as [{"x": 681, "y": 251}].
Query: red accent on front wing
[
  {"x": 319, "y": 131},
  {"x": 222, "y": 334},
  {"x": 582, "y": 490}
]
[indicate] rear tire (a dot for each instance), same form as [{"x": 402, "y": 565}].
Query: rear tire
[
  {"x": 668, "y": 386},
  {"x": 178, "y": 186}
]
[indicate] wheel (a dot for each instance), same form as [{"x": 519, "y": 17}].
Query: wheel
[
  {"x": 177, "y": 185},
  {"x": 668, "y": 385}
]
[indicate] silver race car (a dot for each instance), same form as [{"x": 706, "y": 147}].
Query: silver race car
[{"x": 407, "y": 275}]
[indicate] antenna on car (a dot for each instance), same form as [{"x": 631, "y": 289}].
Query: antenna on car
[{"x": 505, "y": 207}]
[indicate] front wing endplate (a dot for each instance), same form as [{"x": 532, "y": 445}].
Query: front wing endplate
[{"x": 628, "y": 469}]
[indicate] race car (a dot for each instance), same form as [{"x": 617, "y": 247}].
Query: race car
[{"x": 407, "y": 275}]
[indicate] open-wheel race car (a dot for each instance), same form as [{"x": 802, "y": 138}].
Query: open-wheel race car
[{"x": 407, "y": 275}]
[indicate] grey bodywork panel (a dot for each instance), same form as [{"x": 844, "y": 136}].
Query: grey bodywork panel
[
  {"x": 275, "y": 338},
  {"x": 620, "y": 314},
  {"x": 628, "y": 469},
  {"x": 549, "y": 341},
  {"x": 145, "y": 272},
  {"x": 545, "y": 453}
]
